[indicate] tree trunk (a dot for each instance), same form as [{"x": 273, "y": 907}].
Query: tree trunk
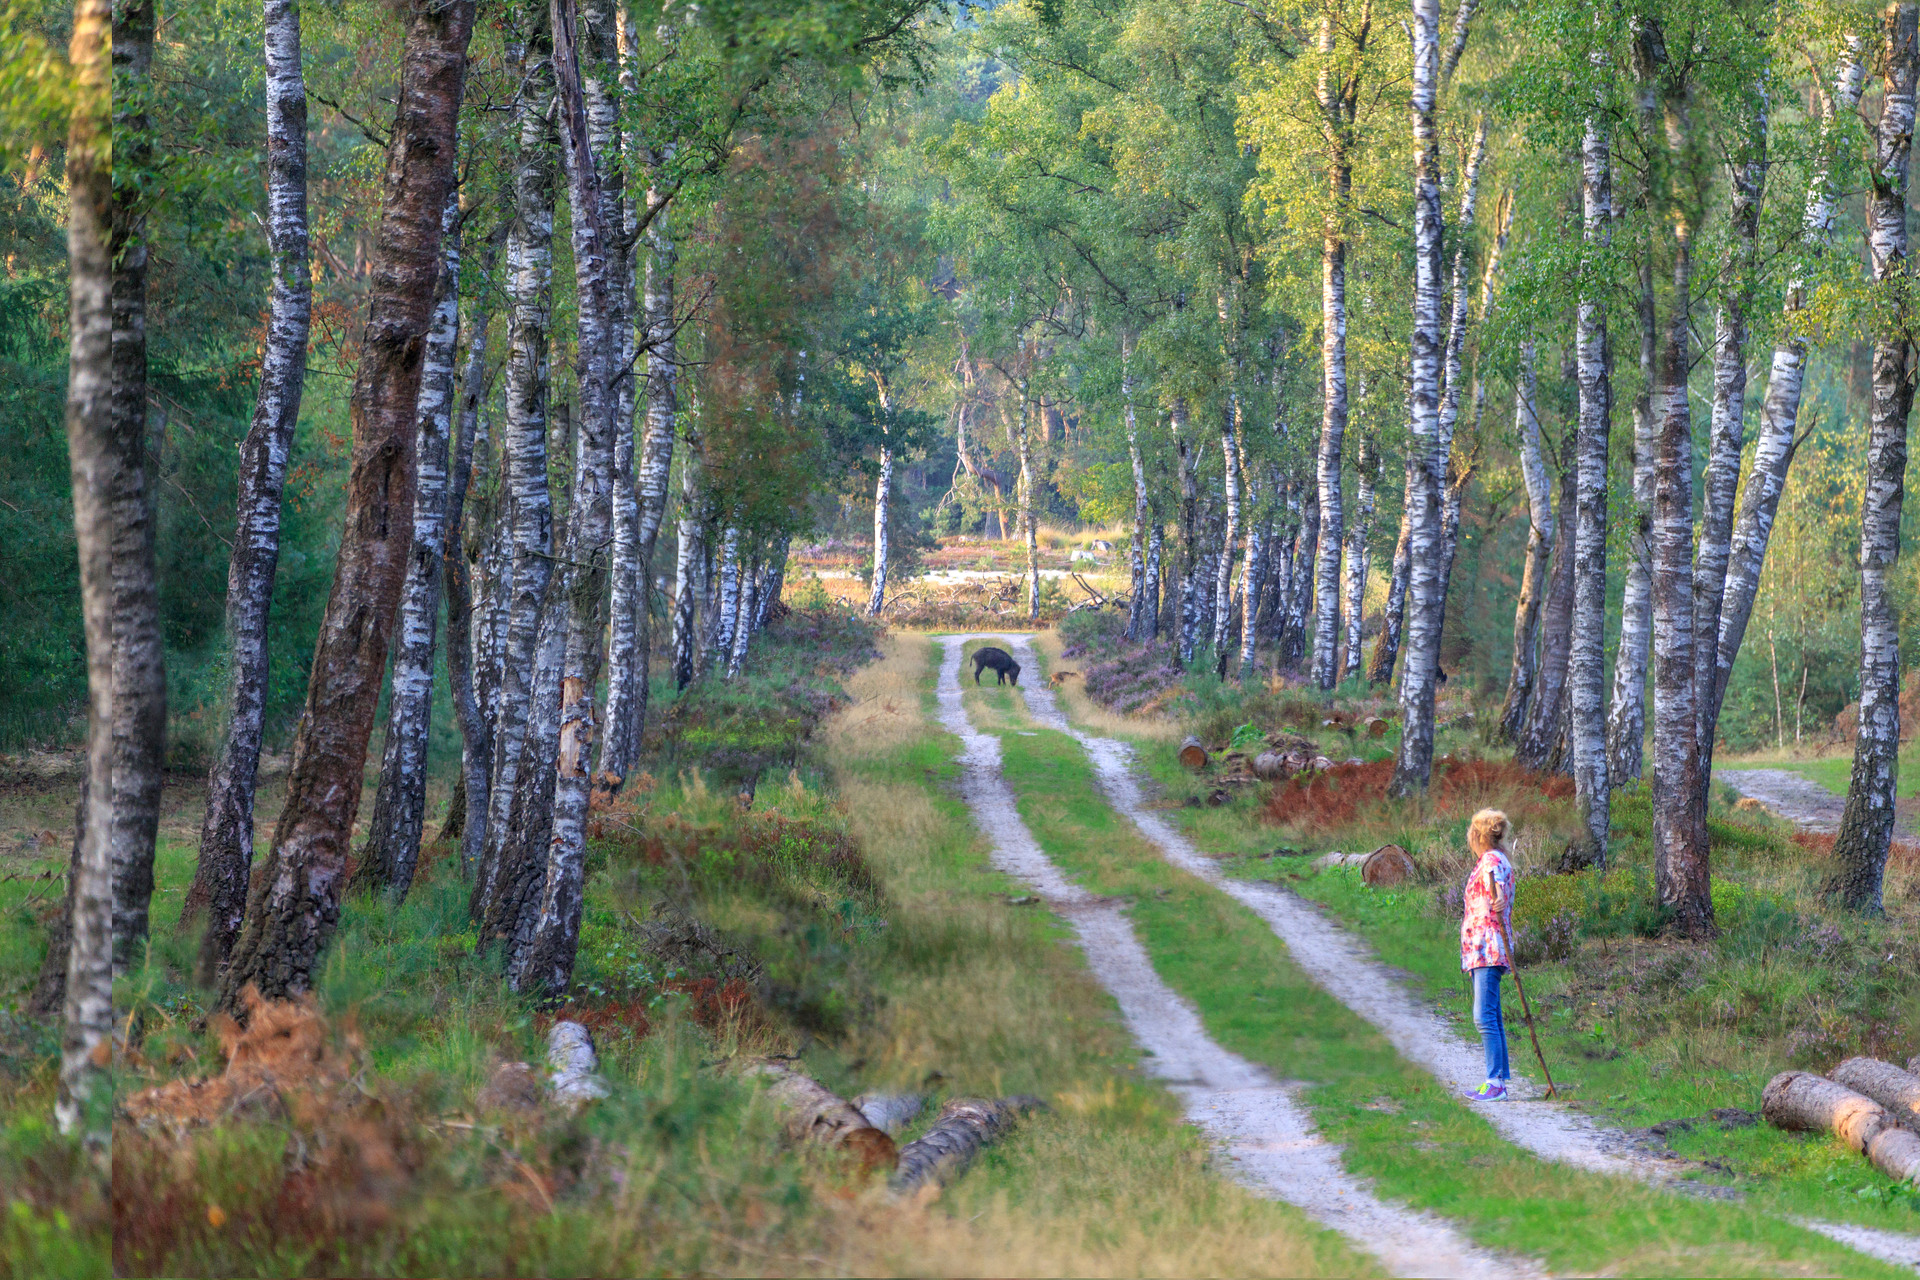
[
  {"x": 1386, "y": 650},
  {"x": 1681, "y": 874},
  {"x": 139, "y": 657},
  {"x": 1189, "y": 528},
  {"x": 1150, "y": 583},
  {"x": 1586, "y": 660},
  {"x": 1425, "y": 451},
  {"x": 524, "y": 455},
  {"x": 546, "y": 965},
  {"x": 1547, "y": 709},
  {"x": 507, "y": 912},
  {"x": 1291, "y": 649},
  {"x": 101, "y": 451},
  {"x": 1627, "y": 714},
  {"x": 1773, "y": 450},
  {"x": 883, "y": 505},
  {"x": 226, "y": 832},
  {"x": 1230, "y": 534},
  {"x": 725, "y": 603},
  {"x": 1333, "y": 430},
  {"x": 1140, "y": 619},
  {"x": 1526, "y": 613},
  {"x": 1729, "y": 432},
  {"x": 295, "y": 901},
  {"x": 1896, "y": 1090},
  {"x": 688, "y": 581},
  {"x": 746, "y": 605},
  {"x": 1866, "y": 827},
  {"x": 471, "y": 712},
  {"x": 1027, "y": 525},
  {"x": 392, "y": 851},
  {"x": 1359, "y": 553}
]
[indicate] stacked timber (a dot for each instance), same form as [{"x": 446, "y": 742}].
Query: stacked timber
[{"x": 1805, "y": 1102}]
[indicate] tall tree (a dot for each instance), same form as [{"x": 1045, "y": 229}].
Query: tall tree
[
  {"x": 104, "y": 459},
  {"x": 1526, "y": 612},
  {"x": 1426, "y": 456},
  {"x": 392, "y": 850},
  {"x": 1866, "y": 826},
  {"x": 1586, "y": 651},
  {"x": 226, "y": 831},
  {"x": 294, "y": 903}
]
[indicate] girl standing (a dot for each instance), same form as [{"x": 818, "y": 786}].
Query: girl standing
[{"x": 1484, "y": 930}]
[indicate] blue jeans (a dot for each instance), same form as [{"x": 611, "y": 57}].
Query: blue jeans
[{"x": 1486, "y": 1016}]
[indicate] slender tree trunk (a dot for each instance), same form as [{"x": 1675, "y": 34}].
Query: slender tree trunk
[
  {"x": 1866, "y": 826},
  {"x": 1774, "y": 448},
  {"x": 1150, "y": 582},
  {"x": 725, "y": 603},
  {"x": 139, "y": 658},
  {"x": 1359, "y": 553},
  {"x": 1425, "y": 455},
  {"x": 1292, "y": 645},
  {"x": 524, "y": 455},
  {"x": 1729, "y": 432},
  {"x": 513, "y": 900},
  {"x": 476, "y": 728},
  {"x": 1526, "y": 614},
  {"x": 688, "y": 581},
  {"x": 1333, "y": 430},
  {"x": 1386, "y": 650},
  {"x": 1586, "y": 659},
  {"x": 1139, "y": 619},
  {"x": 295, "y": 901},
  {"x": 546, "y": 966},
  {"x": 1189, "y": 529},
  {"x": 1547, "y": 709},
  {"x": 1681, "y": 874},
  {"x": 226, "y": 832},
  {"x": 1627, "y": 715},
  {"x": 745, "y": 608},
  {"x": 1229, "y": 534},
  {"x": 392, "y": 851},
  {"x": 883, "y": 506},
  {"x": 1024, "y": 444},
  {"x": 101, "y": 452}
]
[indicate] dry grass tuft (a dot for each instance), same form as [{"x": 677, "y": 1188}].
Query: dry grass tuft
[{"x": 886, "y": 708}]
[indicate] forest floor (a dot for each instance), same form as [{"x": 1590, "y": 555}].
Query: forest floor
[{"x": 1251, "y": 1067}]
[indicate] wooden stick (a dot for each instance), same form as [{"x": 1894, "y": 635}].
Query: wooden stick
[{"x": 1514, "y": 968}]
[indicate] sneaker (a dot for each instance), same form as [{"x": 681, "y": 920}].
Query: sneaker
[{"x": 1491, "y": 1091}]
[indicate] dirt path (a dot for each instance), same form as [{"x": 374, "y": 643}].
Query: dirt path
[
  {"x": 1799, "y": 800},
  {"x": 1256, "y": 1119},
  {"x": 1345, "y": 966}
]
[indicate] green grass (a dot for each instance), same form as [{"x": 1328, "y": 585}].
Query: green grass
[
  {"x": 1834, "y": 771},
  {"x": 1256, "y": 1002}
]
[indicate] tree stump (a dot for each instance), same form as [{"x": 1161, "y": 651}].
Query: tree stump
[
  {"x": 1896, "y": 1090},
  {"x": 1388, "y": 866},
  {"x": 1192, "y": 754}
]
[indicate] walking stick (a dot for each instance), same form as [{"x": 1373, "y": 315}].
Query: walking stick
[{"x": 1528, "y": 1010}]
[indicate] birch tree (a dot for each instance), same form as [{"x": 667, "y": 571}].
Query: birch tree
[
  {"x": 1585, "y": 660},
  {"x": 1866, "y": 826},
  {"x": 221, "y": 876},
  {"x": 294, "y": 903},
  {"x": 1526, "y": 612}
]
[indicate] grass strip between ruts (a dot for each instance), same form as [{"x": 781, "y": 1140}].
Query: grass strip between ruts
[{"x": 1398, "y": 1126}]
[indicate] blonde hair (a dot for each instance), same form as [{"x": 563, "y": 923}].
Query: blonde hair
[{"x": 1488, "y": 830}]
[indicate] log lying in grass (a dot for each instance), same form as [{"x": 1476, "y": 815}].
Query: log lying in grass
[
  {"x": 1803, "y": 1101},
  {"x": 813, "y": 1113},
  {"x": 572, "y": 1064},
  {"x": 965, "y": 1126},
  {"x": 1896, "y": 1153},
  {"x": 1387, "y": 866},
  {"x": 892, "y": 1112},
  {"x": 1896, "y": 1090},
  {"x": 1193, "y": 754}
]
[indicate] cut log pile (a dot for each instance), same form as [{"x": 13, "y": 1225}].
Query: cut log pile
[
  {"x": 965, "y": 1127},
  {"x": 1384, "y": 868},
  {"x": 813, "y": 1113},
  {"x": 1872, "y": 1106},
  {"x": 1281, "y": 756}
]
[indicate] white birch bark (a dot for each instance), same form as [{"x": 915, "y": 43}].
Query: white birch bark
[
  {"x": 746, "y": 604},
  {"x": 469, "y": 475},
  {"x": 689, "y": 583},
  {"x": 726, "y": 602},
  {"x": 524, "y": 444},
  {"x": 1779, "y": 415},
  {"x": 1526, "y": 613},
  {"x": 1424, "y": 609},
  {"x": 1728, "y": 436},
  {"x": 1142, "y": 616},
  {"x": 1386, "y": 649},
  {"x": 1030, "y": 531},
  {"x": 1223, "y": 570},
  {"x": 226, "y": 831},
  {"x": 1586, "y": 650},
  {"x": 1547, "y": 710},
  {"x": 883, "y": 504},
  {"x": 1866, "y": 825},
  {"x": 1359, "y": 552},
  {"x": 584, "y": 66}
]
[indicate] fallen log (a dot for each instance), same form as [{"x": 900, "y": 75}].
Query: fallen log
[
  {"x": 573, "y": 1064},
  {"x": 813, "y": 1113},
  {"x": 1896, "y": 1153},
  {"x": 1192, "y": 754},
  {"x": 1271, "y": 766},
  {"x": 964, "y": 1128},
  {"x": 1328, "y": 861},
  {"x": 1896, "y": 1090},
  {"x": 1807, "y": 1103},
  {"x": 892, "y": 1112}
]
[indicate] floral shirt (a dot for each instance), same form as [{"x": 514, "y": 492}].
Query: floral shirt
[{"x": 1483, "y": 933}]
